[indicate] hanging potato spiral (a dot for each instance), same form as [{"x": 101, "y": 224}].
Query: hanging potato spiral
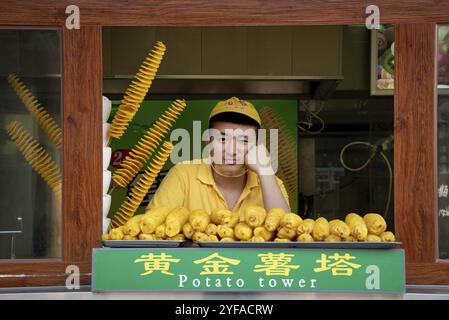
[
  {"x": 137, "y": 90},
  {"x": 288, "y": 166},
  {"x": 138, "y": 192},
  {"x": 145, "y": 147},
  {"x": 36, "y": 156},
  {"x": 43, "y": 118}
]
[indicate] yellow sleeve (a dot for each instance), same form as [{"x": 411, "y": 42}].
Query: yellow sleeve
[
  {"x": 171, "y": 191},
  {"x": 283, "y": 190}
]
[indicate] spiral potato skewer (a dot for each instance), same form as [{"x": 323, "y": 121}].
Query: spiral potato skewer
[
  {"x": 287, "y": 159},
  {"x": 145, "y": 147},
  {"x": 138, "y": 192},
  {"x": 136, "y": 91},
  {"x": 43, "y": 118},
  {"x": 36, "y": 156}
]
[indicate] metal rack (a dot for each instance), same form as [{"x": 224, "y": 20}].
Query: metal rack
[{"x": 13, "y": 235}]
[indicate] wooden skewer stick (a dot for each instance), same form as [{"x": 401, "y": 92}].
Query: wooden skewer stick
[{"x": 112, "y": 190}]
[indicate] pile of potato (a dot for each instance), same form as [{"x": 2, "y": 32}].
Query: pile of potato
[
  {"x": 156, "y": 224},
  {"x": 256, "y": 225},
  {"x": 279, "y": 226}
]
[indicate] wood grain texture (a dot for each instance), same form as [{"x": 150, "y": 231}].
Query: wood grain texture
[
  {"x": 22, "y": 273},
  {"x": 428, "y": 273},
  {"x": 41, "y": 281},
  {"x": 220, "y": 13},
  {"x": 415, "y": 141},
  {"x": 82, "y": 138}
]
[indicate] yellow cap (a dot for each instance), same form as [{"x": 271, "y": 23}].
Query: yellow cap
[{"x": 237, "y": 105}]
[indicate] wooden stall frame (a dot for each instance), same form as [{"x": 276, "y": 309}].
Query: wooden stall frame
[{"x": 415, "y": 120}]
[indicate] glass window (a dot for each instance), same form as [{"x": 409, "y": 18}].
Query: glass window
[
  {"x": 443, "y": 139},
  {"x": 346, "y": 162},
  {"x": 346, "y": 138},
  {"x": 30, "y": 144}
]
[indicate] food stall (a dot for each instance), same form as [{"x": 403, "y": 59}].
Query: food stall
[{"x": 90, "y": 113}]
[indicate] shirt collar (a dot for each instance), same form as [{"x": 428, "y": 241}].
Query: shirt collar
[{"x": 205, "y": 176}]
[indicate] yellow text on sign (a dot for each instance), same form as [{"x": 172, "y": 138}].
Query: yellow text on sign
[
  {"x": 216, "y": 264},
  {"x": 341, "y": 266},
  {"x": 157, "y": 262},
  {"x": 275, "y": 264}
]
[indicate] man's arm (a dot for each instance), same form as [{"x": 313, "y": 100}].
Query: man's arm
[{"x": 274, "y": 193}]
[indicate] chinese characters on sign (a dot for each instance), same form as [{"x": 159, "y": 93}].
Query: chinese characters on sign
[
  {"x": 313, "y": 270},
  {"x": 341, "y": 267},
  {"x": 273, "y": 264},
  {"x": 276, "y": 264},
  {"x": 216, "y": 264},
  {"x": 157, "y": 262}
]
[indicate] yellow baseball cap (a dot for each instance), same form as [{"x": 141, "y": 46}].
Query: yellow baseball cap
[{"x": 237, "y": 105}]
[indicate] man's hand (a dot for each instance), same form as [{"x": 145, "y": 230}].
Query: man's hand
[{"x": 258, "y": 160}]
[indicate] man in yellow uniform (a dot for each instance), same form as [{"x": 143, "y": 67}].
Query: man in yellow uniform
[{"x": 228, "y": 184}]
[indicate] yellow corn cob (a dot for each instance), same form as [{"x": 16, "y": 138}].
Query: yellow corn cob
[
  {"x": 36, "y": 156},
  {"x": 137, "y": 90},
  {"x": 43, "y": 118}
]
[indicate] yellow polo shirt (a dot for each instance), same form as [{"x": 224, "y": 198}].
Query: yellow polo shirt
[{"x": 192, "y": 186}]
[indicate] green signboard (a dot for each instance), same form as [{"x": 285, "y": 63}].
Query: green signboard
[{"x": 195, "y": 269}]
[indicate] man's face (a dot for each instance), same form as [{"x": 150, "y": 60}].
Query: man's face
[{"x": 229, "y": 146}]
